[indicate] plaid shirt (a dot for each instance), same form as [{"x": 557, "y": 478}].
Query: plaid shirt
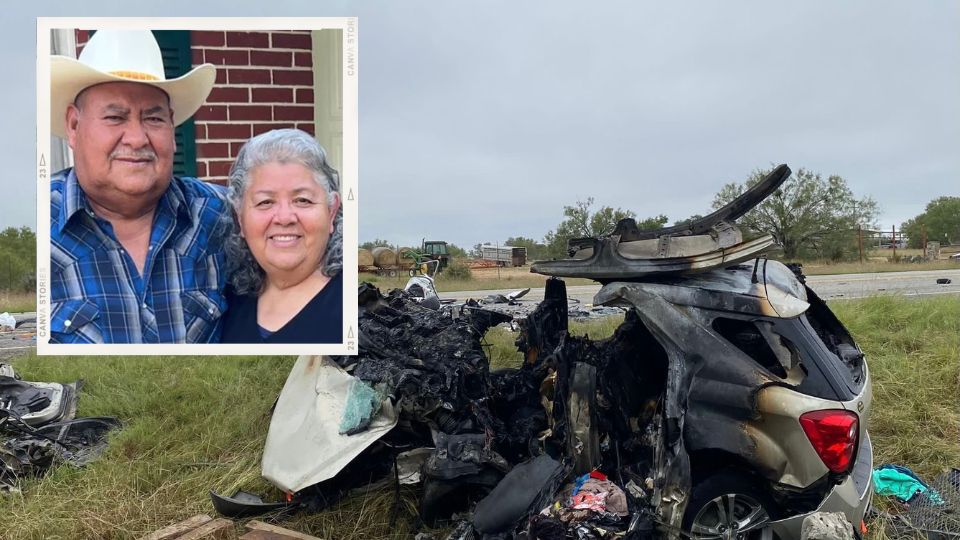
[{"x": 98, "y": 296}]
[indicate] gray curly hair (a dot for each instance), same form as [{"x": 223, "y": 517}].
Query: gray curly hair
[{"x": 279, "y": 146}]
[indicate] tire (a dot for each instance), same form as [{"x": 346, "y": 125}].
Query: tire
[
  {"x": 729, "y": 506},
  {"x": 392, "y": 273},
  {"x": 412, "y": 273}
]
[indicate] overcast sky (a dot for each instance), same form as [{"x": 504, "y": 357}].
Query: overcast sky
[{"x": 479, "y": 123}]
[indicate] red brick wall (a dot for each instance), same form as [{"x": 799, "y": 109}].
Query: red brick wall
[{"x": 264, "y": 82}]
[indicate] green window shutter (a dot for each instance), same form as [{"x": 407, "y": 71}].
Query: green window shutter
[{"x": 177, "y": 61}]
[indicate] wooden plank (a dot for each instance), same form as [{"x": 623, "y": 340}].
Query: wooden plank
[
  {"x": 177, "y": 529},
  {"x": 264, "y": 535},
  {"x": 218, "y": 529},
  {"x": 285, "y": 533}
]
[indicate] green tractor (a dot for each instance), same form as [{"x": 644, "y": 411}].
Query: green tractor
[{"x": 430, "y": 250}]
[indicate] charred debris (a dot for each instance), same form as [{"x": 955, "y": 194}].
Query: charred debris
[
  {"x": 584, "y": 440},
  {"x": 39, "y": 429},
  {"x": 576, "y": 442}
]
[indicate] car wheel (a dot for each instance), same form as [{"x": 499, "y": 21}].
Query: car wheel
[{"x": 729, "y": 506}]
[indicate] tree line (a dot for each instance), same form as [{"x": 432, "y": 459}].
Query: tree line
[
  {"x": 18, "y": 259},
  {"x": 810, "y": 216}
]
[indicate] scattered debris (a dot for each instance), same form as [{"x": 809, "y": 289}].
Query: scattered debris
[
  {"x": 944, "y": 281},
  {"x": 19, "y": 336},
  {"x": 38, "y": 429},
  {"x": 7, "y": 322},
  {"x": 934, "y": 517},
  {"x": 578, "y": 313},
  {"x": 509, "y": 298},
  {"x": 245, "y": 504}
]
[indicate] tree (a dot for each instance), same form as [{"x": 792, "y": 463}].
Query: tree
[
  {"x": 377, "y": 242},
  {"x": 580, "y": 222},
  {"x": 18, "y": 258},
  {"x": 687, "y": 221},
  {"x": 456, "y": 251},
  {"x": 807, "y": 215},
  {"x": 940, "y": 221},
  {"x": 652, "y": 223}
]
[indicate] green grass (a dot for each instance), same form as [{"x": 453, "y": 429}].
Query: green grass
[
  {"x": 195, "y": 424},
  {"x": 813, "y": 268},
  {"x": 913, "y": 350}
]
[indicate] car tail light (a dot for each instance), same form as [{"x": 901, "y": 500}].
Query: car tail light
[{"x": 833, "y": 434}]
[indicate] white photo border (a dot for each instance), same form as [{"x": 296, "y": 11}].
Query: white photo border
[{"x": 348, "y": 175}]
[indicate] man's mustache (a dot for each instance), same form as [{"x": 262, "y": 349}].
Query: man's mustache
[{"x": 133, "y": 154}]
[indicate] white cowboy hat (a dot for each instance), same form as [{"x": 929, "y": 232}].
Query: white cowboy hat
[{"x": 124, "y": 56}]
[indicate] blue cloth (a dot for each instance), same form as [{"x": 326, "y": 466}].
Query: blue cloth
[
  {"x": 579, "y": 483},
  {"x": 902, "y": 483},
  {"x": 98, "y": 296}
]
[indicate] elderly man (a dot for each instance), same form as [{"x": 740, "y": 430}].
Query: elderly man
[{"x": 136, "y": 253}]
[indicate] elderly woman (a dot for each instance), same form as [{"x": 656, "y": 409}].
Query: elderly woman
[{"x": 287, "y": 254}]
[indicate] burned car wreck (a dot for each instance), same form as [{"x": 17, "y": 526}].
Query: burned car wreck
[
  {"x": 39, "y": 429},
  {"x": 729, "y": 403}
]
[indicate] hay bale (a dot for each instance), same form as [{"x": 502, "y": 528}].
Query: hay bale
[
  {"x": 384, "y": 257},
  {"x": 364, "y": 257}
]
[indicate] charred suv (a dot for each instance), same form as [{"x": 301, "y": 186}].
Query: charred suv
[
  {"x": 767, "y": 394},
  {"x": 730, "y": 403},
  {"x": 772, "y": 393}
]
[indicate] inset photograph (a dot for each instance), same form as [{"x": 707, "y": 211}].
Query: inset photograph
[{"x": 200, "y": 186}]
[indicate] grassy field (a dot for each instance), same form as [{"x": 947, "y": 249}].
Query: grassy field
[
  {"x": 196, "y": 424},
  {"x": 17, "y": 301}
]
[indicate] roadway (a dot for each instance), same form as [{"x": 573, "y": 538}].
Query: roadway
[{"x": 915, "y": 283}]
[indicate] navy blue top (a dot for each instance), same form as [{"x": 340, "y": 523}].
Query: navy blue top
[{"x": 320, "y": 321}]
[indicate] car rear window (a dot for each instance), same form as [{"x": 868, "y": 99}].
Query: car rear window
[{"x": 750, "y": 338}]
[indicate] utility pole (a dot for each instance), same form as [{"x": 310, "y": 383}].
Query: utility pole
[
  {"x": 498, "y": 260},
  {"x": 893, "y": 231},
  {"x": 860, "y": 241}
]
